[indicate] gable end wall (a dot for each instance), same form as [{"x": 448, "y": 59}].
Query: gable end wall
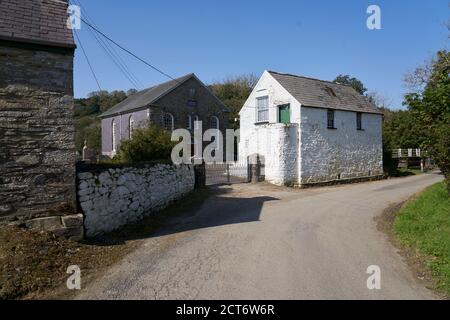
[
  {"x": 37, "y": 153},
  {"x": 175, "y": 103}
]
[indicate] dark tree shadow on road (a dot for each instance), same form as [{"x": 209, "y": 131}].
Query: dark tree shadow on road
[{"x": 206, "y": 208}]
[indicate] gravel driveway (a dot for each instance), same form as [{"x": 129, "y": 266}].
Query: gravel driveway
[{"x": 264, "y": 242}]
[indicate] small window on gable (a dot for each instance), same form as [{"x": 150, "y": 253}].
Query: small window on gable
[
  {"x": 192, "y": 103},
  {"x": 192, "y": 100},
  {"x": 359, "y": 121},
  {"x": 330, "y": 119}
]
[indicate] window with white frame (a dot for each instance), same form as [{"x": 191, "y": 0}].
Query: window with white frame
[
  {"x": 189, "y": 122},
  {"x": 130, "y": 127},
  {"x": 168, "y": 121},
  {"x": 113, "y": 135},
  {"x": 214, "y": 122},
  {"x": 262, "y": 109}
]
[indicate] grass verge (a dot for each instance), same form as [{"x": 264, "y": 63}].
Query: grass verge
[{"x": 421, "y": 228}]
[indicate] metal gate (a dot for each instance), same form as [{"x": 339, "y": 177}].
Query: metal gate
[{"x": 226, "y": 173}]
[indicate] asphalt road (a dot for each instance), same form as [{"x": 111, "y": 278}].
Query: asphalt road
[{"x": 264, "y": 242}]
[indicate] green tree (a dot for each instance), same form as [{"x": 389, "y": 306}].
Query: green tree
[
  {"x": 352, "y": 82},
  {"x": 400, "y": 130},
  {"x": 105, "y": 100},
  {"x": 233, "y": 92},
  {"x": 86, "y": 121},
  {"x": 431, "y": 109},
  {"x": 150, "y": 143},
  {"x": 87, "y": 129}
]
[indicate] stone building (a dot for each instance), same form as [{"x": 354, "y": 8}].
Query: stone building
[
  {"x": 37, "y": 157},
  {"x": 309, "y": 131},
  {"x": 175, "y": 104}
]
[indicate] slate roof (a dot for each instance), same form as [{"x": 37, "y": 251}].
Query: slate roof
[
  {"x": 149, "y": 96},
  {"x": 324, "y": 94},
  {"x": 36, "y": 21}
]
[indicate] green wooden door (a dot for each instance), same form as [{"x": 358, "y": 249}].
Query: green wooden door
[{"x": 284, "y": 114}]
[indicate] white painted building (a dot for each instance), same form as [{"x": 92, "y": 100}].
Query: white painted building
[{"x": 310, "y": 131}]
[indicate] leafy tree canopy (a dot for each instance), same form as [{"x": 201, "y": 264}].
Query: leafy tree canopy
[
  {"x": 233, "y": 92},
  {"x": 104, "y": 100},
  {"x": 400, "y": 130},
  {"x": 431, "y": 110},
  {"x": 352, "y": 82}
]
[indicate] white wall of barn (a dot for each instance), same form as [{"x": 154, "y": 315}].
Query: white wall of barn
[
  {"x": 341, "y": 153},
  {"x": 307, "y": 151}
]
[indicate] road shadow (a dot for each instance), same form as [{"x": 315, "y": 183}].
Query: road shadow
[
  {"x": 401, "y": 173},
  {"x": 205, "y": 208}
]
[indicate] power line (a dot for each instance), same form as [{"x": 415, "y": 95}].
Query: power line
[
  {"x": 126, "y": 50},
  {"x": 113, "y": 59},
  {"x": 87, "y": 59},
  {"x": 112, "y": 54}
]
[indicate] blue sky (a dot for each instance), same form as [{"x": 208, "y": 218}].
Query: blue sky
[{"x": 217, "y": 39}]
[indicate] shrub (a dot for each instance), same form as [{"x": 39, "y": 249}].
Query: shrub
[{"x": 148, "y": 144}]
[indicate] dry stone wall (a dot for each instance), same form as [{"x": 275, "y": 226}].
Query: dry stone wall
[{"x": 111, "y": 198}]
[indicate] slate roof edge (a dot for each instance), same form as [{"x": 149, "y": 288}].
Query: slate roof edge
[
  {"x": 374, "y": 111},
  {"x": 186, "y": 77},
  {"x": 343, "y": 109},
  {"x": 309, "y": 78},
  {"x": 169, "y": 90},
  {"x": 121, "y": 113},
  {"x": 149, "y": 104},
  {"x": 38, "y": 42}
]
